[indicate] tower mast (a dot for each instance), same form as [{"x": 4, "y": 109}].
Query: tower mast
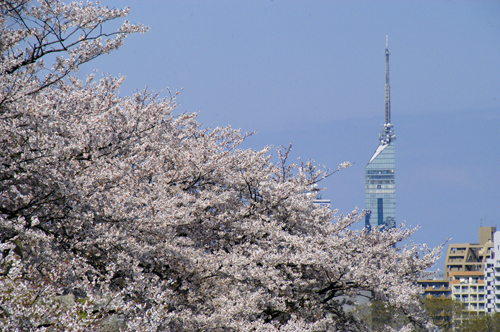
[
  {"x": 387, "y": 86},
  {"x": 387, "y": 134}
]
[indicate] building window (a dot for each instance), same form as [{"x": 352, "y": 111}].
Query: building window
[{"x": 380, "y": 211}]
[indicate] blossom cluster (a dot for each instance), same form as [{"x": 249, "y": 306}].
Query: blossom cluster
[{"x": 113, "y": 210}]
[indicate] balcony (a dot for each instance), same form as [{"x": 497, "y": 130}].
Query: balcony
[{"x": 437, "y": 289}]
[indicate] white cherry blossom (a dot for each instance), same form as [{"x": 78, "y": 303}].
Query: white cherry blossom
[{"x": 113, "y": 209}]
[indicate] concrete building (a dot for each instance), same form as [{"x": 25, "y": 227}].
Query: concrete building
[
  {"x": 464, "y": 278},
  {"x": 319, "y": 201},
  {"x": 380, "y": 176},
  {"x": 435, "y": 285},
  {"x": 315, "y": 191},
  {"x": 469, "y": 257},
  {"x": 435, "y": 288},
  {"x": 469, "y": 288},
  {"x": 492, "y": 277}
]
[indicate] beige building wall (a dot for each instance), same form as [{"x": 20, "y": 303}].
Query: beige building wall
[
  {"x": 469, "y": 288},
  {"x": 469, "y": 257},
  {"x": 486, "y": 234}
]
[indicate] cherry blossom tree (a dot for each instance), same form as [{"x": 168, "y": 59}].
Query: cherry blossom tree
[{"x": 116, "y": 212}]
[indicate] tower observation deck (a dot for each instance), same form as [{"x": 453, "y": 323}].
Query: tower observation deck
[{"x": 380, "y": 172}]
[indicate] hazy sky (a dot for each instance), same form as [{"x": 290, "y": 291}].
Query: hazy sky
[{"x": 312, "y": 73}]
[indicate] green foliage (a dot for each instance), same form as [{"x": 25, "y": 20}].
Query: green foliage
[
  {"x": 446, "y": 314},
  {"x": 82, "y": 314},
  {"x": 480, "y": 323},
  {"x": 381, "y": 315},
  {"x": 442, "y": 310},
  {"x": 378, "y": 315}
]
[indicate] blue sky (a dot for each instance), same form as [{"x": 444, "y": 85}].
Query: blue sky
[{"x": 312, "y": 73}]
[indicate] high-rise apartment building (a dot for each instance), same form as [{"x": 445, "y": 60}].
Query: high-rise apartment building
[
  {"x": 468, "y": 287},
  {"x": 380, "y": 175},
  {"x": 435, "y": 286},
  {"x": 464, "y": 269},
  {"x": 492, "y": 276},
  {"x": 469, "y": 257}
]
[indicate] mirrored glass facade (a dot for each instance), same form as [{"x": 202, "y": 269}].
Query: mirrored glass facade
[{"x": 380, "y": 187}]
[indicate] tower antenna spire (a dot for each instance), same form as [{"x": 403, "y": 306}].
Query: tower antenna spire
[
  {"x": 387, "y": 132},
  {"x": 387, "y": 86}
]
